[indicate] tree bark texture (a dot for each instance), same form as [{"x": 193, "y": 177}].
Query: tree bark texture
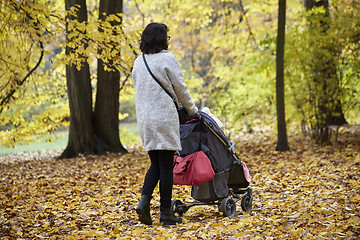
[
  {"x": 107, "y": 95},
  {"x": 282, "y": 144},
  {"x": 81, "y": 132}
]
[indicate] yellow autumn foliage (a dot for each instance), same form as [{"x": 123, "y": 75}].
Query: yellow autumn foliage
[{"x": 226, "y": 50}]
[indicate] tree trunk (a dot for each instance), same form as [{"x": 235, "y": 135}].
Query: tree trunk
[
  {"x": 81, "y": 133},
  {"x": 92, "y": 133},
  {"x": 282, "y": 144},
  {"x": 107, "y": 95}
]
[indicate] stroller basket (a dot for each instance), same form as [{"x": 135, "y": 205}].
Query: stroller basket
[{"x": 212, "y": 190}]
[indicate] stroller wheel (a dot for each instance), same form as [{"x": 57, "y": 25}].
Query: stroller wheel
[
  {"x": 178, "y": 207},
  {"x": 246, "y": 203},
  {"x": 228, "y": 207}
]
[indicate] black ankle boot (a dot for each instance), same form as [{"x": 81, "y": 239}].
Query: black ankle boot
[
  {"x": 168, "y": 218},
  {"x": 143, "y": 210}
]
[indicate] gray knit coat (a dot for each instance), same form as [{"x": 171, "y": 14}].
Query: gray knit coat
[{"x": 156, "y": 114}]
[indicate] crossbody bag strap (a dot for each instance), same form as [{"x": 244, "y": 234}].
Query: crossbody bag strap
[{"x": 157, "y": 80}]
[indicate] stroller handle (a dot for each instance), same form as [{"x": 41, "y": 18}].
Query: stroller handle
[
  {"x": 232, "y": 146},
  {"x": 233, "y": 152}
]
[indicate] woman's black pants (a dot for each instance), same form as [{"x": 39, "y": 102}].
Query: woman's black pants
[{"x": 161, "y": 169}]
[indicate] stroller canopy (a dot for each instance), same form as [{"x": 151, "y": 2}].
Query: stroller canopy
[{"x": 205, "y": 135}]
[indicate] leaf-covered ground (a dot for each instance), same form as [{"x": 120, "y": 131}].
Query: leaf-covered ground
[{"x": 311, "y": 192}]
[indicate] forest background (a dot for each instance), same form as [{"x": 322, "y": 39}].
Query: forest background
[{"x": 227, "y": 51}]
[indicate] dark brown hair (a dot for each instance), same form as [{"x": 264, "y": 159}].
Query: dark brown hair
[{"x": 154, "y": 38}]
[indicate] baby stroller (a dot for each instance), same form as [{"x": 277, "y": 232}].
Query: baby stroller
[{"x": 230, "y": 183}]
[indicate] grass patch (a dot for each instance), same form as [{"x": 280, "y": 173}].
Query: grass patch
[
  {"x": 129, "y": 135},
  {"x": 131, "y": 127},
  {"x": 58, "y": 143}
]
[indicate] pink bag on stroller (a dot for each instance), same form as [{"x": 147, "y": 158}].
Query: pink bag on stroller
[{"x": 192, "y": 169}]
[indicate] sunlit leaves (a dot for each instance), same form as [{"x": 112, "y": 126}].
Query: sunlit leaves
[
  {"x": 29, "y": 34},
  {"x": 116, "y": 45},
  {"x": 32, "y": 33},
  {"x": 34, "y": 113}
]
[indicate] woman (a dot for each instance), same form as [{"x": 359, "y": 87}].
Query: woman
[{"x": 157, "y": 117}]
